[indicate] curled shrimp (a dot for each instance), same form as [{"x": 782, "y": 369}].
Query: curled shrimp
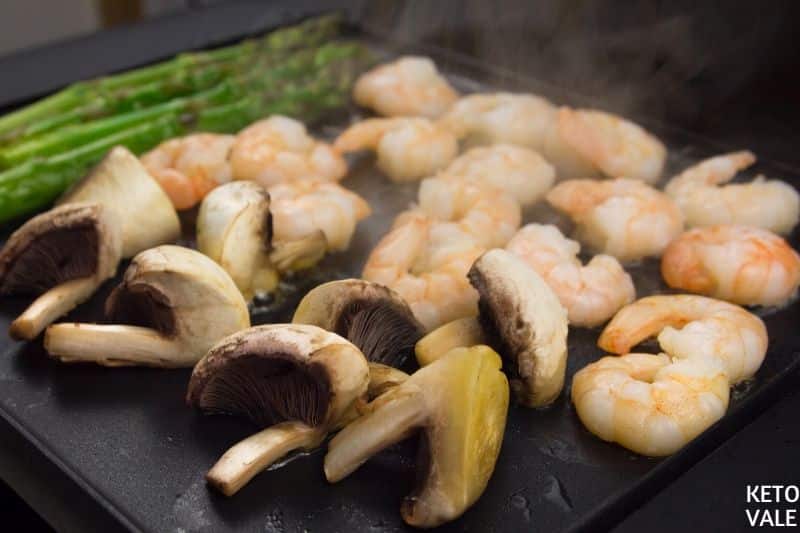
[
  {"x": 521, "y": 172},
  {"x": 496, "y": 118},
  {"x": 747, "y": 266},
  {"x": 616, "y": 147},
  {"x": 591, "y": 293},
  {"x": 488, "y": 215},
  {"x": 578, "y": 142},
  {"x": 650, "y": 404},
  {"x": 409, "y": 86},
  {"x": 624, "y": 218},
  {"x": 407, "y": 148},
  {"x": 300, "y": 208},
  {"x": 279, "y": 149},
  {"x": 189, "y": 167},
  {"x": 427, "y": 262},
  {"x": 770, "y": 204},
  {"x": 691, "y": 327}
]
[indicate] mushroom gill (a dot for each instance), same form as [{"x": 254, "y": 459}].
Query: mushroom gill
[
  {"x": 371, "y": 316},
  {"x": 61, "y": 256},
  {"x": 268, "y": 391}
]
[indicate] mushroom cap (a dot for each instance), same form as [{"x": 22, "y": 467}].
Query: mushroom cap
[
  {"x": 280, "y": 372},
  {"x": 80, "y": 240},
  {"x": 182, "y": 294},
  {"x": 373, "y": 317},
  {"x": 121, "y": 183},
  {"x": 234, "y": 228},
  {"x": 525, "y": 320}
]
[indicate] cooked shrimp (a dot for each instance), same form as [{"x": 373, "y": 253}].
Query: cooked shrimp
[
  {"x": 709, "y": 329},
  {"x": 494, "y": 118},
  {"x": 615, "y": 146},
  {"x": 591, "y": 293},
  {"x": 768, "y": 204},
  {"x": 299, "y": 208},
  {"x": 189, "y": 167},
  {"x": 747, "y": 266},
  {"x": 427, "y": 262},
  {"x": 409, "y": 86},
  {"x": 279, "y": 149},
  {"x": 521, "y": 172},
  {"x": 579, "y": 143},
  {"x": 624, "y": 218},
  {"x": 407, "y": 148},
  {"x": 650, "y": 404},
  {"x": 488, "y": 215}
]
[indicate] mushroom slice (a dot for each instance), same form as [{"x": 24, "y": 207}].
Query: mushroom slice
[
  {"x": 176, "y": 303},
  {"x": 460, "y": 403},
  {"x": 370, "y": 315},
  {"x": 62, "y": 256},
  {"x": 234, "y": 228},
  {"x": 524, "y": 320},
  {"x": 297, "y": 381},
  {"x": 121, "y": 183}
]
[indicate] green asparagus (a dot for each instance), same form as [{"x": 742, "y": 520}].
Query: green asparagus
[{"x": 81, "y": 93}]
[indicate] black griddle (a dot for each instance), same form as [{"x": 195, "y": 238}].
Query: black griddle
[{"x": 110, "y": 449}]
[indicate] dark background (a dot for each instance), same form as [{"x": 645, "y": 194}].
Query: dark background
[{"x": 727, "y": 70}]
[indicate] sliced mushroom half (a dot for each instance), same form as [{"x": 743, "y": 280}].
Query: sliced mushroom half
[
  {"x": 459, "y": 403},
  {"x": 521, "y": 317},
  {"x": 121, "y": 183},
  {"x": 61, "y": 256},
  {"x": 234, "y": 228},
  {"x": 371, "y": 316},
  {"x": 175, "y": 303},
  {"x": 297, "y": 381}
]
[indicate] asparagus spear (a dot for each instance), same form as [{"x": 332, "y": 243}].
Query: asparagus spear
[
  {"x": 80, "y": 93},
  {"x": 227, "y": 92},
  {"x": 38, "y": 182}
]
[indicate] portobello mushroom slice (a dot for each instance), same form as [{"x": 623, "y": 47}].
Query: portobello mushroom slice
[
  {"x": 519, "y": 316},
  {"x": 175, "y": 303},
  {"x": 234, "y": 228},
  {"x": 296, "y": 381},
  {"x": 371, "y": 316},
  {"x": 61, "y": 256},
  {"x": 122, "y": 184},
  {"x": 459, "y": 403}
]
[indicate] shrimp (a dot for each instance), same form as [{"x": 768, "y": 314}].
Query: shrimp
[
  {"x": 591, "y": 293},
  {"x": 709, "y": 329},
  {"x": 427, "y": 262},
  {"x": 300, "y": 208},
  {"x": 770, "y": 204},
  {"x": 189, "y": 167},
  {"x": 409, "y": 86},
  {"x": 616, "y": 147},
  {"x": 650, "y": 404},
  {"x": 488, "y": 215},
  {"x": 624, "y": 218},
  {"x": 495, "y": 118},
  {"x": 521, "y": 172},
  {"x": 407, "y": 148},
  {"x": 747, "y": 266},
  {"x": 279, "y": 149},
  {"x": 578, "y": 142}
]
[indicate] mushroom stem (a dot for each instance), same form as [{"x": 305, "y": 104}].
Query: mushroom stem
[
  {"x": 383, "y": 378},
  {"x": 371, "y": 433},
  {"x": 54, "y": 303},
  {"x": 112, "y": 345},
  {"x": 257, "y": 452},
  {"x": 299, "y": 254}
]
